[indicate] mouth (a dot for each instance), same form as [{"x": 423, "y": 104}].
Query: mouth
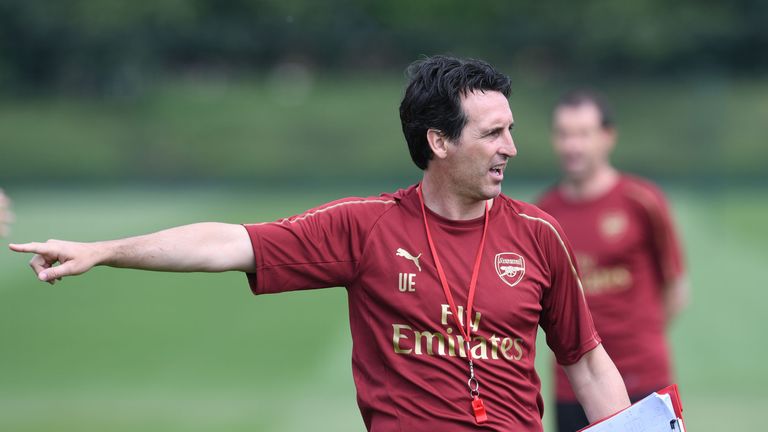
[
  {"x": 572, "y": 161},
  {"x": 497, "y": 171}
]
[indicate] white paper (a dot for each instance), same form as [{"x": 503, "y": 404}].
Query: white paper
[{"x": 652, "y": 414}]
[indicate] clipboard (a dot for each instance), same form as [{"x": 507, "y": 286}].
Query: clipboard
[
  {"x": 659, "y": 411},
  {"x": 674, "y": 394}
]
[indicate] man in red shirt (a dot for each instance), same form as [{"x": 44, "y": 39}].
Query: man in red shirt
[
  {"x": 626, "y": 245},
  {"x": 448, "y": 280}
]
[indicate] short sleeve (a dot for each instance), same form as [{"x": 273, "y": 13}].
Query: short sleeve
[
  {"x": 317, "y": 249},
  {"x": 665, "y": 240},
  {"x": 566, "y": 319}
]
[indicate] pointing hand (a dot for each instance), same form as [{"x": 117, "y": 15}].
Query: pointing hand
[{"x": 73, "y": 258}]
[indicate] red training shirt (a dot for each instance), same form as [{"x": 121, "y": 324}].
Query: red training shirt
[
  {"x": 408, "y": 360},
  {"x": 627, "y": 248}
]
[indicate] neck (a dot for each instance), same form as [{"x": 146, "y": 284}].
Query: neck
[
  {"x": 444, "y": 200},
  {"x": 592, "y": 186}
]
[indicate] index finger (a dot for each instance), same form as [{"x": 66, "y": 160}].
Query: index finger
[{"x": 29, "y": 247}]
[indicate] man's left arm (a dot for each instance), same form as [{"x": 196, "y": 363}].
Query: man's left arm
[
  {"x": 676, "y": 295},
  {"x": 597, "y": 384},
  {"x": 669, "y": 255}
]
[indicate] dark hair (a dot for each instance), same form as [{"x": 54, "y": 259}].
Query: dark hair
[
  {"x": 433, "y": 99},
  {"x": 580, "y": 97}
]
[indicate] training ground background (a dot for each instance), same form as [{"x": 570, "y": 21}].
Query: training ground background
[{"x": 118, "y": 118}]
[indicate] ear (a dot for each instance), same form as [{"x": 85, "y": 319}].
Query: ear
[{"x": 437, "y": 143}]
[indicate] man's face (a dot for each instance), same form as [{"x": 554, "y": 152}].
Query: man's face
[
  {"x": 580, "y": 141},
  {"x": 476, "y": 161}
]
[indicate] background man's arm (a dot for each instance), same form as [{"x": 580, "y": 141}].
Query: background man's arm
[
  {"x": 677, "y": 294},
  {"x": 204, "y": 247},
  {"x": 597, "y": 384}
]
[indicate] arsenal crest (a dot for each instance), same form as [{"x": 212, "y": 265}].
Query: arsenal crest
[
  {"x": 613, "y": 224},
  {"x": 510, "y": 267}
]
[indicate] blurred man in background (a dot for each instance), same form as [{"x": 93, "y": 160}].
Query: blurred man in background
[
  {"x": 626, "y": 246},
  {"x": 6, "y": 217}
]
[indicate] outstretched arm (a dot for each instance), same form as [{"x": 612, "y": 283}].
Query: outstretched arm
[
  {"x": 203, "y": 247},
  {"x": 597, "y": 384}
]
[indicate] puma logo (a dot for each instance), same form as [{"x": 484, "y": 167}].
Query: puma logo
[{"x": 405, "y": 254}]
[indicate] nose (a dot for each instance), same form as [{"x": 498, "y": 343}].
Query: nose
[
  {"x": 508, "y": 148},
  {"x": 569, "y": 147}
]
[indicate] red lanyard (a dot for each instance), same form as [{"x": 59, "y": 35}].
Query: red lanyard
[{"x": 474, "y": 386}]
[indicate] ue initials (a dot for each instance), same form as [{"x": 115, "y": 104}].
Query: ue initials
[{"x": 406, "y": 282}]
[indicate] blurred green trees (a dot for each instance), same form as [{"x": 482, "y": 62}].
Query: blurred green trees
[
  {"x": 284, "y": 90},
  {"x": 115, "y": 44}
]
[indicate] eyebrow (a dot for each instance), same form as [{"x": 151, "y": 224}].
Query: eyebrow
[{"x": 497, "y": 129}]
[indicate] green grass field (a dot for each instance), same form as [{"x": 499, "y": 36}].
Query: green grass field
[{"x": 119, "y": 350}]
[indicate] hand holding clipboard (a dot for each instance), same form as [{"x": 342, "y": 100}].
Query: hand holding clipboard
[{"x": 659, "y": 411}]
